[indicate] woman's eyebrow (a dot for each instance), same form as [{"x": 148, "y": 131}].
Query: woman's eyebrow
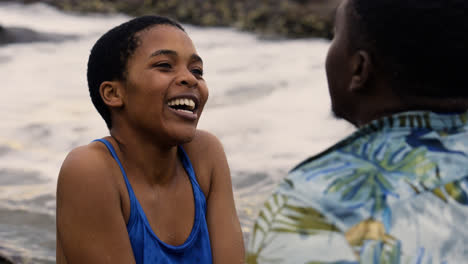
[
  {"x": 193, "y": 58},
  {"x": 196, "y": 58},
  {"x": 163, "y": 52}
]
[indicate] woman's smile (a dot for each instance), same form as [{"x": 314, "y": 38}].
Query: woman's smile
[{"x": 185, "y": 106}]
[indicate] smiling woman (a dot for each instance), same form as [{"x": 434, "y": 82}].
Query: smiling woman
[{"x": 157, "y": 190}]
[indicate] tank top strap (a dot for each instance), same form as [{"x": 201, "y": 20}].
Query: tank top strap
[
  {"x": 191, "y": 172},
  {"x": 111, "y": 149}
]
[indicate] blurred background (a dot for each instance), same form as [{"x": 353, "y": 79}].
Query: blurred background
[{"x": 264, "y": 65}]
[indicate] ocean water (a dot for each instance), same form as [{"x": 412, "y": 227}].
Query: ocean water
[{"x": 268, "y": 104}]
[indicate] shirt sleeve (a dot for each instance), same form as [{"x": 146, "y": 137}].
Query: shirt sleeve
[{"x": 288, "y": 231}]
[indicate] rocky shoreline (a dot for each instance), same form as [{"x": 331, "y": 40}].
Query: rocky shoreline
[
  {"x": 11, "y": 35},
  {"x": 267, "y": 18}
]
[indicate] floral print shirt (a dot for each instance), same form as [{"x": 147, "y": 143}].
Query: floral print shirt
[{"x": 395, "y": 191}]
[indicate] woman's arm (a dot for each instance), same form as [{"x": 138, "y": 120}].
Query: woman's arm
[
  {"x": 223, "y": 224},
  {"x": 90, "y": 225}
]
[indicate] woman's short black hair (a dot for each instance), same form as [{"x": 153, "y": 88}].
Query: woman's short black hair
[
  {"x": 421, "y": 45},
  {"x": 109, "y": 56}
]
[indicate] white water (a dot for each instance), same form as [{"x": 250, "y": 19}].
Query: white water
[{"x": 268, "y": 104}]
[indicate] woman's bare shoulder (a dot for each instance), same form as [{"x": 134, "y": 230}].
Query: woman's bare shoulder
[
  {"x": 206, "y": 154},
  {"x": 203, "y": 140},
  {"x": 91, "y": 158},
  {"x": 87, "y": 167},
  {"x": 89, "y": 208}
]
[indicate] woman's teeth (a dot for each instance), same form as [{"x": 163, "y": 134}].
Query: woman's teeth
[{"x": 182, "y": 104}]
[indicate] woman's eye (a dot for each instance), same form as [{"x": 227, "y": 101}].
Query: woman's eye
[
  {"x": 163, "y": 65},
  {"x": 198, "y": 72}
]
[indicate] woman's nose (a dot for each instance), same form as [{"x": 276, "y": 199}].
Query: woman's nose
[{"x": 186, "y": 78}]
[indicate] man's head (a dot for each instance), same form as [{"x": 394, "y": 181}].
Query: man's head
[
  {"x": 109, "y": 56},
  {"x": 398, "y": 55}
]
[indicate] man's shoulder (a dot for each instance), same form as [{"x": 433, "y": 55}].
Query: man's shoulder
[
  {"x": 343, "y": 177},
  {"x": 299, "y": 216},
  {"x": 355, "y": 153}
]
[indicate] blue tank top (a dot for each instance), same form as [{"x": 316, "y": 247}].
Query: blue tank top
[{"x": 147, "y": 247}]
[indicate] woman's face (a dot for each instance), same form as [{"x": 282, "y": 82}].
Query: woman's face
[{"x": 165, "y": 91}]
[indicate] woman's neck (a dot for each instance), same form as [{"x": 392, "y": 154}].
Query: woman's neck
[{"x": 148, "y": 160}]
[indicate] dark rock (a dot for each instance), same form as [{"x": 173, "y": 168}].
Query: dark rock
[
  {"x": 268, "y": 18},
  {"x": 11, "y": 35},
  {"x": 10, "y": 255},
  {"x": 5, "y": 260}
]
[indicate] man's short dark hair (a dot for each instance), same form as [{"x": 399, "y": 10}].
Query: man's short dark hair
[
  {"x": 109, "y": 56},
  {"x": 420, "y": 45}
]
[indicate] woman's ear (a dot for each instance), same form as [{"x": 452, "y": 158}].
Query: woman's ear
[
  {"x": 111, "y": 93},
  {"x": 361, "y": 71}
]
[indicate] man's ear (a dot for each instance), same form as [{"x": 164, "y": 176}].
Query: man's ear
[
  {"x": 111, "y": 93},
  {"x": 361, "y": 71}
]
